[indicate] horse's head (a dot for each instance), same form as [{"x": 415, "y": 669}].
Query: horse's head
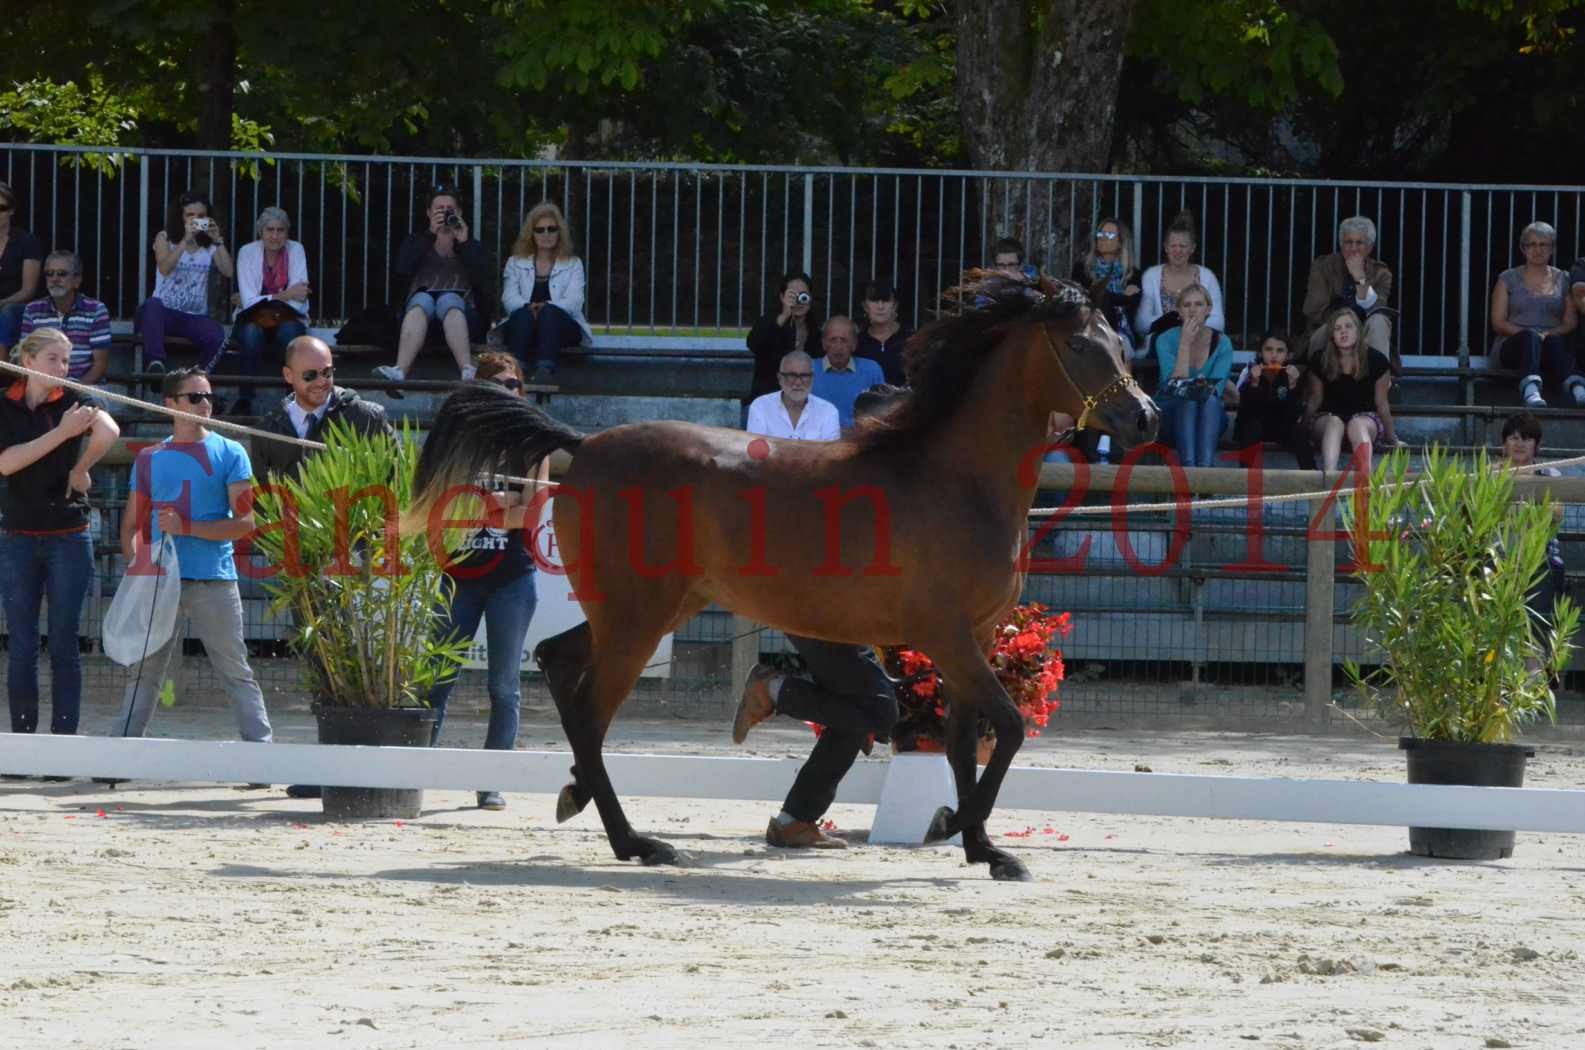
[{"x": 1091, "y": 380}]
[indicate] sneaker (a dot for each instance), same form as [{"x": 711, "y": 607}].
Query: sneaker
[
  {"x": 1530, "y": 387},
  {"x": 491, "y": 800},
  {"x": 468, "y": 372},
  {"x": 303, "y": 791},
  {"x": 800, "y": 834},
  {"x": 154, "y": 368},
  {"x": 391, "y": 374},
  {"x": 756, "y": 704},
  {"x": 1576, "y": 391}
]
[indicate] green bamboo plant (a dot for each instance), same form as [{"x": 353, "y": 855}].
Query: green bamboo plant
[
  {"x": 1449, "y": 559},
  {"x": 367, "y": 604}
]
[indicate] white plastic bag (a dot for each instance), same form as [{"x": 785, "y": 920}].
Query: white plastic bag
[{"x": 142, "y": 615}]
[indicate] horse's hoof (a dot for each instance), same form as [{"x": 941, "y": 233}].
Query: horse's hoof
[
  {"x": 1006, "y": 869},
  {"x": 568, "y": 804},
  {"x": 941, "y": 826},
  {"x": 649, "y": 852},
  {"x": 663, "y": 854}
]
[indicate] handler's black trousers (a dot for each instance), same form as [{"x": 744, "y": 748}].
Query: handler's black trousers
[{"x": 852, "y": 697}]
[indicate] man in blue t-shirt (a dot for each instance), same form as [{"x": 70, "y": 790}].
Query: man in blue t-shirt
[
  {"x": 192, "y": 490},
  {"x": 839, "y": 376}
]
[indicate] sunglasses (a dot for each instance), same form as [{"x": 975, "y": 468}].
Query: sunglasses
[
  {"x": 58, "y": 273},
  {"x": 510, "y": 382},
  {"x": 547, "y": 229},
  {"x": 308, "y": 375},
  {"x": 195, "y": 398},
  {"x": 1107, "y": 235},
  {"x": 791, "y": 376}
]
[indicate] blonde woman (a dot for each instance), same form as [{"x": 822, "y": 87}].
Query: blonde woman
[
  {"x": 1346, "y": 392},
  {"x": 50, "y": 437},
  {"x": 1111, "y": 261},
  {"x": 542, "y": 293}
]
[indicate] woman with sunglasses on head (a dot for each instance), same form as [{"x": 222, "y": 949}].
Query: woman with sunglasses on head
[
  {"x": 542, "y": 293},
  {"x": 1110, "y": 265},
  {"x": 49, "y": 439},
  {"x": 494, "y": 581},
  {"x": 21, "y": 263}
]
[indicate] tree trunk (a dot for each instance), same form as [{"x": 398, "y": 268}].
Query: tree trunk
[
  {"x": 214, "y": 75},
  {"x": 1037, "y": 85}
]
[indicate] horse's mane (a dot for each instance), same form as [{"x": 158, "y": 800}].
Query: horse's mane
[{"x": 943, "y": 358}]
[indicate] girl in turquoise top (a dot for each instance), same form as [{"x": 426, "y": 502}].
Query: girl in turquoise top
[{"x": 1195, "y": 360}]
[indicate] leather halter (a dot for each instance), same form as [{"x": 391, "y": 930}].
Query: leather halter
[{"x": 1123, "y": 381}]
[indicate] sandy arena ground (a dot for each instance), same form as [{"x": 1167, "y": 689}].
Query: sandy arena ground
[{"x": 188, "y": 915}]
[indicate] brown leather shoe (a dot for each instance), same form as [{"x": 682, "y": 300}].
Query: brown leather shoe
[
  {"x": 800, "y": 834},
  {"x": 756, "y": 704}
]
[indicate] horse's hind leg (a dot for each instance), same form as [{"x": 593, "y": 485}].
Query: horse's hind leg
[{"x": 565, "y": 659}]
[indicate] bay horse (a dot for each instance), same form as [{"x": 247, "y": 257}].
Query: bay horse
[{"x": 910, "y": 531}]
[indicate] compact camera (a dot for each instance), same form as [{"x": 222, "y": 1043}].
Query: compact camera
[
  {"x": 802, "y": 298},
  {"x": 200, "y": 225},
  {"x": 452, "y": 219}
]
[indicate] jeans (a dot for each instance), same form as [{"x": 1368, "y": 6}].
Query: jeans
[
  {"x": 252, "y": 341},
  {"x": 33, "y": 568},
  {"x": 155, "y": 320},
  {"x": 852, "y": 697},
  {"x": 506, "y": 609},
  {"x": 548, "y": 334},
  {"x": 11, "y": 324},
  {"x": 214, "y": 609},
  {"x": 1195, "y": 426},
  {"x": 436, "y": 307},
  {"x": 1530, "y": 355}
]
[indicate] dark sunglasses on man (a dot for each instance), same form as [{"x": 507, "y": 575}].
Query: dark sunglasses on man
[
  {"x": 308, "y": 375},
  {"x": 195, "y": 397}
]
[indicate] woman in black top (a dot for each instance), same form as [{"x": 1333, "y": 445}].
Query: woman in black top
[
  {"x": 494, "y": 581},
  {"x": 884, "y": 336},
  {"x": 49, "y": 439},
  {"x": 791, "y": 327},
  {"x": 1346, "y": 393},
  {"x": 21, "y": 266}
]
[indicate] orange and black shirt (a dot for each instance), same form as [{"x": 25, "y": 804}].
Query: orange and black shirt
[{"x": 37, "y": 499}]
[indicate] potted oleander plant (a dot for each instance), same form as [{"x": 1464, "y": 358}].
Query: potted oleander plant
[
  {"x": 1452, "y": 563},
  {"x": 365, "y": 601}
]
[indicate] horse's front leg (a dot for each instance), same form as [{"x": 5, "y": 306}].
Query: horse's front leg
[{"x": 978, "y": 692}]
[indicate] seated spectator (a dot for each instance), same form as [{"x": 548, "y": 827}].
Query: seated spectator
[
  {"x": 1270, "y": 401},
  {"x": 791, "y": 327},
  {"x": 1008, "y": 257},
  {"x": 21, "y": 259},
  {"x": 884, "y": 336},
  {"x": 448, "y": 283},
  {"x": 1531, "y": 313},
  {"x": 1521, "y": 445},
  {"x": 272, "y": 279},
  {"x": 85, "y": 321},
  {"x": 184, "y": 253},
  {"x": 1346, "y": 392},
  {"x": 1350, "y": 277},
  {"x": 792, "y": 411},
  {"x": 1163, "y": 283},
  {"x": 839, "y": 376},
  {"x": 542, "y": 292},
  {"x": 1110, "y": 262},
  {"x": 1195, "y": 361}
]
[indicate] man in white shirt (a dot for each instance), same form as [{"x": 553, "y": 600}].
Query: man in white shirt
[{"x": 793, "y": 412}]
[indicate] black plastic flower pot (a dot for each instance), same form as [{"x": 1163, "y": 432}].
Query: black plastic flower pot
[
  {"x": 1470, "y": 765},
  {"x": 374, "y": 727}
]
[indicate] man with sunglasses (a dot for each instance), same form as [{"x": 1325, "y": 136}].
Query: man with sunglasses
[
  {"x": 85, "y": 321},
  {"x": 193, "y": 489},
  {"x": 315, "y": 400}
]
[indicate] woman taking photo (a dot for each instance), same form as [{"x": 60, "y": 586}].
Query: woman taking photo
[
  {"x": 791, "y": 326},
  {"x": 542, "y": 292},
  {"x": 1195, "y": 360},
  {"x": 184, "y": 252},
  {"x": 1532, "y": 314},
  {"x": 50, "y": 437},
  {"x": 1110, "y": 262},
  {"x": 494, "y": 581},
  {"x": 1346, "y": 392},
  {"x": 1165, "y": 282}
]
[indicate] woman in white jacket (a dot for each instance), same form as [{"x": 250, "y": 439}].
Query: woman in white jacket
[
  {"x": 270, "y": 270},
  {"x": 1162, "y": 283},
  {"x": 542, "y": 293}
]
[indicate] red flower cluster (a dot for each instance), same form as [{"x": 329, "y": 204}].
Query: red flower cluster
[{"x": 1024, "y": 659}]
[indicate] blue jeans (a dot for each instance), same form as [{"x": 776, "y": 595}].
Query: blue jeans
[
  {"x": 11, "y": 324},
  {"x": 252, "y": 341},
  {"x": 1195, "y": 426},
  {"x": 548, "y": 334},
  {"x": 506, "y": 609},
  {"x": 31, "y": 569}
]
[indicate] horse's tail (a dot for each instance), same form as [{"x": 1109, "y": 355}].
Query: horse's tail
[{"x": 481, "y": 429}]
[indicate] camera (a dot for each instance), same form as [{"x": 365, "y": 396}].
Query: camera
[
  {"x": 200, "y": 225},
  {"x": 802, "y": 298},
  {"x": 452, "y": 219}
]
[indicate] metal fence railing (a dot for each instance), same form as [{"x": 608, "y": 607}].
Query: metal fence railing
[{"x": 671, "y": 246}]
